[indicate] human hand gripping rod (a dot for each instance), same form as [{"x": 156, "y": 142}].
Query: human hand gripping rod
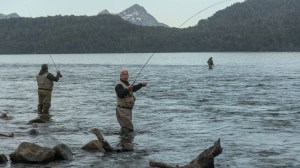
[{"x": 55, "y": 66}]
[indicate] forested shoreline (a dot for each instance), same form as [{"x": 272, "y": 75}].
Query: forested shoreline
[{"x": 254, "y": 25}]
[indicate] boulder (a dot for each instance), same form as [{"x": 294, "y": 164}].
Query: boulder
[
  {"x": 31, "y": 153},
  {"x": 63, "y": 152}
]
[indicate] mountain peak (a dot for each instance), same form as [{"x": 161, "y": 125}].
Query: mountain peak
[
  {"x": 136, "y": 6},
  {"x": 138, "y": 15}
]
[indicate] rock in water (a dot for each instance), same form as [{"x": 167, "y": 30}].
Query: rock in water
[
  {"x": 31, "y": 153},
  {"x": 37, "y": 120},
  {"x": 94, "y": 145},
  {"x": 3, "y": 158},
  {"x": 3, "y": 115},
  {"x": 63, "y": 152},
  {"x": 8, "y": 134},
  {"x": 33, "y": 132}
]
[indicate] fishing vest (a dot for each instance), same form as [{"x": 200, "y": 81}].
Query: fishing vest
[
  {"x": 128, "y": 100},
  {"x": 43, "y": 82}
]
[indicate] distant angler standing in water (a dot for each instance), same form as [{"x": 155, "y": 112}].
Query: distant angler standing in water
[
  {"x": 125, "y": 101},
  {"x": 45, "y": 86},
  {"x": 210, "y": 63}
]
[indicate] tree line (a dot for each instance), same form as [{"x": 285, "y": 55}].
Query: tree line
[{"x": 253, "y": 25}]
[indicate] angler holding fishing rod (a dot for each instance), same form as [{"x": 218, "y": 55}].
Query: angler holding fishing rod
[
  {"x": 45, "y": 81},
  {"x": 45, "y": 86},
  {"x": 125, "y": 101}
]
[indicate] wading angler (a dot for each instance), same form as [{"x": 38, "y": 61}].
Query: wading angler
[{"x": 45, "y": 87}]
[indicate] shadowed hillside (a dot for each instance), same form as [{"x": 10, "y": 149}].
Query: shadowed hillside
[{"x": 254, "y": 25}]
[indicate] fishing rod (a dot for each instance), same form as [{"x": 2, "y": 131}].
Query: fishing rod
[
  {"x": 169, "y": 35},
  {"x": 55, "y": 65}
]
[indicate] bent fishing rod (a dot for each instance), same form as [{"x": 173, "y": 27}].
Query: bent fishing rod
[{"x": 171, "y": 33}]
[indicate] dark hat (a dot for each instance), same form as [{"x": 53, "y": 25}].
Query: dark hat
[{"x": 44, "y": 66}]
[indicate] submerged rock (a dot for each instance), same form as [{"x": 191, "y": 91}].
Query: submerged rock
[
  {"x": 3, "y": 158},
  {"x": 33, "y": 132},
  {"x": 43, "y": 118},
  {"x": 8, "y": 134},
  {"x": 37, "y": 120},
  {"x": 3, "y": 115}
]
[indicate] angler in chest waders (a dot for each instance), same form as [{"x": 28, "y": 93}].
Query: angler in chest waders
[
  {"x": 210, "y": 63},
  {"x": 45, "y": 86},
  {"x": 125, "y": 100}
]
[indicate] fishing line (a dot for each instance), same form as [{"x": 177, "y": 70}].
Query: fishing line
[
  {"x": 53, "y": 61},
  {"x": 171, "y": 33},
  {"x": 264, "y": 23},
  {"x": 50, "y": 53},
  {"x": 44, "y": 43}
]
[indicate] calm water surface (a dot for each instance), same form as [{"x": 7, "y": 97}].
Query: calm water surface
[{"x": 249, "y": 100}]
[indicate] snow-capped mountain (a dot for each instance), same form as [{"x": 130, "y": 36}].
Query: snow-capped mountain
[
  {"x": 137, "y": 14},
  {"x": 12, "y": 15}
]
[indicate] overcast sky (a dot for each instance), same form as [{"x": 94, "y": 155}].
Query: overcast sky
[{"x": 170, "y": 12}]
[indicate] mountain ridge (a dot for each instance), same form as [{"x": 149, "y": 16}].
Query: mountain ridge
[
  {"x": 134, "y": 14},
  {"x": 12, "y": 15},
  {"x": 137, "y": 15}
]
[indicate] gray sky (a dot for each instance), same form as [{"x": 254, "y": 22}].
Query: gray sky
[{"x": 170, "y": 12}]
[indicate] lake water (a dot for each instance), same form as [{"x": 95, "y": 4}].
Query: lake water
[{"x": 249, "y": 100}]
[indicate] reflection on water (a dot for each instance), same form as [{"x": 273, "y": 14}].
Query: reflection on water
[{"x": 249, "y": 101}]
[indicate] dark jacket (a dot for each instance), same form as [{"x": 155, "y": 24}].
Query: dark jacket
[{"x": 121, "y": 92}]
